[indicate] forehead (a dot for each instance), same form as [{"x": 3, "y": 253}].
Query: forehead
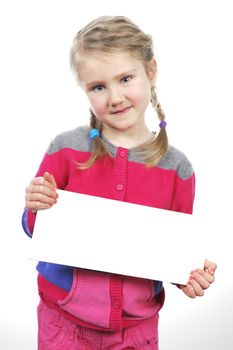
[{"x": 106, "y": 66}]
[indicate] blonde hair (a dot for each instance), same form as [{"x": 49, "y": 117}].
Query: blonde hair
[{"x": 111, "y": 34}]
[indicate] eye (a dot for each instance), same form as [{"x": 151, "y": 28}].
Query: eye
[
  {"x": 97, "y": 88},
  {"x": 126, "y": 79}
]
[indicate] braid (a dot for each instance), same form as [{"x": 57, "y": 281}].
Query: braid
[
  {"x": 156, "y": 105},
  {"x": 94, "y": 122},
  {"x": 158, "y": 147},
  {"x": 153, "y": 151},
  {"x": 98, "y": 147}
]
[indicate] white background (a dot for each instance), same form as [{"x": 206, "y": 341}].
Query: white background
[{"x": 39, "y": 98}]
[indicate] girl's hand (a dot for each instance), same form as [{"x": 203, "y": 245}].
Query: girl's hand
[
  {"x": 200, "y": 280},
  {"x": 41, "y": 193}
]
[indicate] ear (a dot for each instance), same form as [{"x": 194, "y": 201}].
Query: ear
[{"x": 152, "y": 71}]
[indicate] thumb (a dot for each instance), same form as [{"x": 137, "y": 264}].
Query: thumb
[
  {"x": 49, "y": 177},
  {"x": 210, "y": 266}
]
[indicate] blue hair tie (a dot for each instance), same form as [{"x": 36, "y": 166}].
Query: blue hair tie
[
  {"x": 94, "y": 133},
  {"x": 162, "y": 124}
]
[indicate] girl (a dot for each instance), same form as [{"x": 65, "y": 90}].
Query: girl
[{"x": 115, "y": 157}]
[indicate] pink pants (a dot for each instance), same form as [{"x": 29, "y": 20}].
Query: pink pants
[{"x": 57, "y": 333}]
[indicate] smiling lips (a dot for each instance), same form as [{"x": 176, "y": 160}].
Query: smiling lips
[{"x": 122, "y": 111}]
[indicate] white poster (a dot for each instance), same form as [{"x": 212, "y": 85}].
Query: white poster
[{"x": 118, "y": 237}]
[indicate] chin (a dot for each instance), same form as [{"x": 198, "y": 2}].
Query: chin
[
  {"x": 125, "y": 124},
  {"x": 124, "y": 127}
]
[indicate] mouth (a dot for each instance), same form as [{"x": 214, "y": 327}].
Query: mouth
[{"x": 122, "y": 111}]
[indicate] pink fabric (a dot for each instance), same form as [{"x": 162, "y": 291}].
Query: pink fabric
[
  {"x": 89, "y": 297},
  {"x": 143, "y": 304},
  {"x": 155, "y": 187},
  {"x": 159, "y": 188},
  {"x": 93, "y": 301},
  {"x": 57, "y": 333},
  {"x": 99, "y": 299}
]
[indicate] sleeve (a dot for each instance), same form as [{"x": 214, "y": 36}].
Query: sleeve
[
  {"x": 183, "y": 195},
  {"x": 55, "y": 162},
  {"x": 25, "y": 223}
]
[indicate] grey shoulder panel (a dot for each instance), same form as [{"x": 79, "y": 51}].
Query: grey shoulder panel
[
  {"x": 176, "y": 160},
  {"x": 77, "y": 139}
]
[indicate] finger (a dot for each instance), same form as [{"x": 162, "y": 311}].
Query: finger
[
  {"x": 41, "y": 190},
  {"x": 41, "y": 193},
  {"x": 206, "y": 275},
  {"x": 189, "y": 291},
  {"x": 210, "y": 267},
  {"x": 40, "y": 197},
  {"x": 34, "y": 206},
  {"x": 202, "y": 279},
  {"x": 40, "y": 185},
  {"x": 196, "y": 287},
  {"x": 41, "y": 181}
]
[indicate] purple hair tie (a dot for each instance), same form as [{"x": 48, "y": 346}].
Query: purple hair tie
[
  {"x": 162, "y": 124},
  {"x": 94, "y": 133}
]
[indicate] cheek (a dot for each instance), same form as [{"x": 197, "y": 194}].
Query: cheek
[
  {"x": 141, "y": 95},
  {"x": 98, "y": 105}
]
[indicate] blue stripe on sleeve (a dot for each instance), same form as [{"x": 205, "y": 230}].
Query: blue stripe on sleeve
[
  {"x": 60, "y": 275},
  {"x": 24, "y": 222},
  {"x": 158, "y": 285}
]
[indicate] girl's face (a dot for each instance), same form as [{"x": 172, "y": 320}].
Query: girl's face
[{"x": 118, "y": 89}]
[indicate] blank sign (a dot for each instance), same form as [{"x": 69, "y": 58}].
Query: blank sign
[{"x": 117, "y": 237}]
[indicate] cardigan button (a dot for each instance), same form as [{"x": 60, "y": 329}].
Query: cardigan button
[
  {"x": 116, "y": 305},
  {"x": 119, "y": 187},
  {"x": 122, "y": 154}
]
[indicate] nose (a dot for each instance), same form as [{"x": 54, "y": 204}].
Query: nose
[{"x": 115, "y": 97}]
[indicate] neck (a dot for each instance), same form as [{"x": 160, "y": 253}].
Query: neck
[{"x": 127, "y": 138}]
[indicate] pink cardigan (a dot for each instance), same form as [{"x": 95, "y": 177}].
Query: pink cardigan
[{"x": 101, "y": 300}]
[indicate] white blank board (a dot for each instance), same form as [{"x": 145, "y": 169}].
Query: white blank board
[{"x": 117, "y": 237}]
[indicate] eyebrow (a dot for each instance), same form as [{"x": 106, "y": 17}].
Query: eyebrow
[{"x": 101, "y": 82}]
